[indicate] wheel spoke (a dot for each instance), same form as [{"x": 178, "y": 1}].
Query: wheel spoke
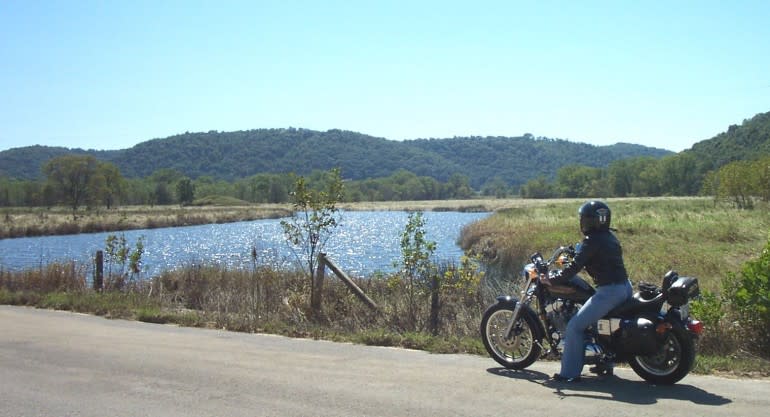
[
  {"x": 665, "y": 361},
  {"x": 514, "y": 347}
]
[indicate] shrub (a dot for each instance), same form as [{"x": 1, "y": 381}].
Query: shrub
[
  {"x": 720, "y": 337},
  {"x": 749, "y": 293}
]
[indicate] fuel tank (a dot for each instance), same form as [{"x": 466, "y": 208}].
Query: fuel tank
[{"x": 576, "y": 289}]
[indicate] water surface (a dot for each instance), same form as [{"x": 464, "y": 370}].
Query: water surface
[{"x": 364, "y": 242}]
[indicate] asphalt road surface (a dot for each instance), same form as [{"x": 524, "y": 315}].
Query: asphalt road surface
[{"x": 63, "y": 364}]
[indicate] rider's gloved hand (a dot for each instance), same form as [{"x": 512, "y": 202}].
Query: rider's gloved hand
[
  {"x": 555, "y": 278},
  {"x": 548, "y": 280}
]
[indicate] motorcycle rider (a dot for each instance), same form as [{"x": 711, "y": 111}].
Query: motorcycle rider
[{"x": 601, "y": 255}]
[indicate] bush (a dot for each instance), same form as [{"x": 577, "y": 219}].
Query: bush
[
  {"x": 749, "y": 293},
  {"x": 720, "y": 337}
]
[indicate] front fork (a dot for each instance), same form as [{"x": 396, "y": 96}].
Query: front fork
[{"x": 526, "y": 298}]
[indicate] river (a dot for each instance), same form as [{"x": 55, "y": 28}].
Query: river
[{"x": 364, "y": 243}]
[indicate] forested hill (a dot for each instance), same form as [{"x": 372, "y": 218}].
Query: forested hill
[
  {"x": 748, "y": 141},
  {"x": 233, "y": 155}
]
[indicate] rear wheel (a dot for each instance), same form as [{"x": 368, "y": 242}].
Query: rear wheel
[
  {"x": 671, "y": 363},
  {"x": 521, "y": 347}
]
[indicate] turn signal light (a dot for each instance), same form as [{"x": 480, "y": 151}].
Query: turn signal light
[{"x": 695, "y": 326}]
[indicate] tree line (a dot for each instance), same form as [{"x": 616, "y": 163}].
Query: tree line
[
  {"x": 739, "y": 182},
  {"x": 83, "y": 181}
]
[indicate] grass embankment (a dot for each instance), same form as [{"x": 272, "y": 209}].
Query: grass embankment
[
  {"x": 38, "y": 221},
  {"x": 691, "y": 235},
  {"x": 26, "y": 222},
  {"x": 263, "y": 300}
]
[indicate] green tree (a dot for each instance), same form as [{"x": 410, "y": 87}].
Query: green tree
[
  {"x": 315, "y": 218},
  {"x": 538, "y": 188},
  {"x": 679, "y": 175},
  {"x": 123, "y": 263},
  {"x": 264, "y": 188},
  {"x": 138, "y": 191},
  {"x": 185, "y": 190},
  {"x": 163, "y": 180},
  {"x": 736, "y": 184},
  {"x": 15, "y": 192},
  {"x": 647, "y": 177},
  {"x": 496, "y": 187},
  {"x": 417, "y": 269},
  {"x": 459, "y": 187},
  {"x": 161, "y": 195},
  {"x": 620, "y": 178},
  {"x": 73, "y": 178},
  {"x": 762, "y": 175},
  {"x": 111, "y": 183},
  {"x": 580, "y": 181},
  {"x": 209, "y": 186}
]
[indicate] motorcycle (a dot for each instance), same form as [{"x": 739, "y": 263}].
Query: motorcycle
[{"x": 653, "y": 331}]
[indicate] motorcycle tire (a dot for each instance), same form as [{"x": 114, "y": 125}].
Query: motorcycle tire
[
  {"x": 518, "y": 351},
  {"x": 671, "y": 363}
]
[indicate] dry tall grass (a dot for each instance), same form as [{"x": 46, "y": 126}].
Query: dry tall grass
[
  {"x": 692, "y": 235},
  {"x": 25, "y": 222}
]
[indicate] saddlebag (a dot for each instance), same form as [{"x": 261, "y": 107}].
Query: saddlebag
[
  {"x": 637, "y": 336},
  {"x": 682, "y": 290}
]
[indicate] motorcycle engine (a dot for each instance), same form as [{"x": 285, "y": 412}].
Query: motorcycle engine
[{"x": 558, "y": 312}]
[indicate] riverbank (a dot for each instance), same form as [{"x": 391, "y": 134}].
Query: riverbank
[
  {"x": 39, "y": 221},
  {"x": 49, "y": 221},
  {"x": 30, "y": 222}
]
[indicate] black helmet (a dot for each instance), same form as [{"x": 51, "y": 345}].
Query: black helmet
[{"x": 594, "y": 216}]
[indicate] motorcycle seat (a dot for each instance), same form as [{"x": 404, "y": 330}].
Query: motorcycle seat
[{"x": 637, "y": 304}]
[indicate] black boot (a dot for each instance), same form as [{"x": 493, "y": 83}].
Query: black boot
[
  {"x": 559, "y": 378},
  {"x": 603, "y": 369}
]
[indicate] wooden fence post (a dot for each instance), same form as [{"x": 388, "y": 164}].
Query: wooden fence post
[
  {"x": 349, "y": 282},
  {"x": 316, "y": 291},
  {"x": 99, "y": 271}
]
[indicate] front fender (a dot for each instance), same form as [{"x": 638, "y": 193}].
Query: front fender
[{"x": 508, "y": 301}]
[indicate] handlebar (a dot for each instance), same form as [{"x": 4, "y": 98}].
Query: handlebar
[{"x": 537, "y": 258}]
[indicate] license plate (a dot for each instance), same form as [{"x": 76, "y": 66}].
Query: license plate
[{"x": 606, "y": 327}]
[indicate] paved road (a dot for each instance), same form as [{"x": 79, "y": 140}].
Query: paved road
[{"x": 64, "y": 364}]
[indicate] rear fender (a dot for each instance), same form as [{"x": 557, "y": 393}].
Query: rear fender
[{"x": 674, "y": 316}]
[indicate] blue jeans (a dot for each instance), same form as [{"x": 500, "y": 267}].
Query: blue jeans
[{"x": 606, "y": 298}]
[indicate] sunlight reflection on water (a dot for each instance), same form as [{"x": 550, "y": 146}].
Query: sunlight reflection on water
[{"x": 363, "y": 243}]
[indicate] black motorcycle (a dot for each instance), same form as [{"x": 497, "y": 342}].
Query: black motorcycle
[{"x": 653, "y": 331}]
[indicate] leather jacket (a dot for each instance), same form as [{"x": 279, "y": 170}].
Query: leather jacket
[{"x": 601, "y": 255}]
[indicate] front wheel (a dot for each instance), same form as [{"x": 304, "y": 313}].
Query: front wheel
[
  {"x": 671, "y": 363},
  {"x": 517, "y": 350}
]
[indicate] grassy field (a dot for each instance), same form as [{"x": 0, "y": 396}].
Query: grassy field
[{"x": 692, "y": 235}]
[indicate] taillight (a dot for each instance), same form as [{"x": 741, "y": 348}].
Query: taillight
[{"x": 695, "y": 326}]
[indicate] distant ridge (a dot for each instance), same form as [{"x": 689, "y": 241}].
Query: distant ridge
[{"x": 233, "y": 155}]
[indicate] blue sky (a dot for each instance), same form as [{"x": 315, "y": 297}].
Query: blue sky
[{"x": 111, "y": 74}]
